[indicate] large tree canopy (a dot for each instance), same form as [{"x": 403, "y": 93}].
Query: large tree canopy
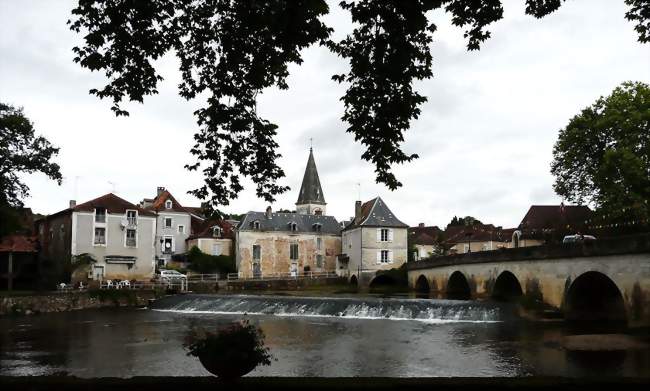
[
  {"x": 21, "y": 152},
  {"x": 602, "y": 157},
  {"x": 231, "y": 50}
]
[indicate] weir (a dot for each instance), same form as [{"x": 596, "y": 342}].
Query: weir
[{"x": 423, "y": 310}]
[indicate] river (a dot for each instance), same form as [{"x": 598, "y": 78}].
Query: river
[{"x": 309, "y": 336}]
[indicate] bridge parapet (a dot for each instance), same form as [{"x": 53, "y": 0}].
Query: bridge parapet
[{"x": 633, "y": 244}]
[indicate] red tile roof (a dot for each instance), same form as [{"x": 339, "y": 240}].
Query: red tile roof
[
  {"x": 159, "y": 203},
  {"x": 541, "y": 217},
  {"x": 203, "y": 229},
  {"x": 477, "y": 233},
  {"x": 112, "y": 203},
  {"x": 18, "y": 244},
  {"x": 424, "y": 235}
]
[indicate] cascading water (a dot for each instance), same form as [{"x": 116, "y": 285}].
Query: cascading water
[{"x": 430, "y": 311}]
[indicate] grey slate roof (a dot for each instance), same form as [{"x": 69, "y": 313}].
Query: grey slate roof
[
  {"x": 375, "y": 213},
  {"x": 310, "y": 191},
  {"x": 280, "y": 222}
]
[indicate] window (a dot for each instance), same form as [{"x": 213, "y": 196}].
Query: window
[
  {"x": 168, "y": 222},
  {"x": 385, "y": 256},
  {"x": 100, "y": 215},
  {"x": 293, "y": 227},
  {"x": 256, "y": 224},
  {"x": 181, "y": 229},
  {"x": 168, "y": 204},
  {"x": 61, "y": 232},
  {"x": 384, "y": 235},
  {"x": 216, "y": 232},
  {"x": 216, "y": 249},
  {"x": 100, "y": 236},
  {"x": 168, "y": 245},
  {"x": 293, "y": 251},
  {"x": 318, "y": 227},
  {"x": 319, "y": 261},
  {"x": 131, "y": 238},
  {"x": 319, "y": 243},
  {"x": 257, "y": 252},
  {"x": 132, "y": 217}
]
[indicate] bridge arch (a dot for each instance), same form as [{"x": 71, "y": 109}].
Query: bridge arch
[
  {"x": 382, "y": 280},
  {"x": 422, "y": 285},
  {"x": 506, "y": 287},
  {"x": 458, "y": 287},
  {"x": 593, "y": 296},
  {"x": 354, "y": 280}
]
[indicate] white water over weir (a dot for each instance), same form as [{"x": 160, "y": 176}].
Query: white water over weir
[{"x": 423, "y": 310}]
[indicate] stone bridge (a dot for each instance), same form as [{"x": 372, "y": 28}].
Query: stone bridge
[{"x": 604, "y": 280}]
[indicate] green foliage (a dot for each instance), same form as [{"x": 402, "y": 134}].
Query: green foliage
[
  {"x": 203, "y": 263},
  {"x": 232, "y": 351},
  {"x": 464, "y": 221},
  {"x": 82, "y": 260},
  {"x": 21, "y": 152},
  {"x": 231, "y": 50},
  {"x": 602, "y": 157}
]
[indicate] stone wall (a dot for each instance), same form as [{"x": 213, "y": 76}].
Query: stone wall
[
  {"x": 61, "y": 302},
  {"x": 284, "y": 284}
]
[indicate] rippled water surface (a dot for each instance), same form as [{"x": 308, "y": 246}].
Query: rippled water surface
[{"x": 308, "y": 337}]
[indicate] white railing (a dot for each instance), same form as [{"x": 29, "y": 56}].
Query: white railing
[
  {"x": 132, "y": 221},
  {"x": 191, "y": 277},
  {"x": 143, "y": 285},
  {"x": 283, "y": 276}
]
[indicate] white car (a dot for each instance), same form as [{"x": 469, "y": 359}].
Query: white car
[
  {"x": 171, "y": 276},
  {"x": 578, "y": 238}
]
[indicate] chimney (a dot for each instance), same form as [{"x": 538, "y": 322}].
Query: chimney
[
  {"x": 73, "y": 203},
  {"x": 159, "y": 190},
  {"x": 357, "y": 209},
  {"x": 268, "y": 212},
  {"x": 421, "y": 225}
]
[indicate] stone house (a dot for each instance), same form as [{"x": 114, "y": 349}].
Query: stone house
[
  {"x": 116, "y": 233},
  {"x": 290, "y": 243},
  {"x": 475, "y": 238},
  {"x": 375, "y": 240}
]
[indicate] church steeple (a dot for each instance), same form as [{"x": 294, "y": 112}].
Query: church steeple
[{"x": 311, "y": 199}]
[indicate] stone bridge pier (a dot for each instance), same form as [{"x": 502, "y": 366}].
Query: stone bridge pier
[{"x": 608, "y": 280}]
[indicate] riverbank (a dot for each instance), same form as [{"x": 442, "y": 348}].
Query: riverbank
[
  {"x": 72, "y": 301},
  {"x": 47, "y": 383}
]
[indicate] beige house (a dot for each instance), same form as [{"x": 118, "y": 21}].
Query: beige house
[
  {"x": 116, "y": 233},
  {"x": 290, "y": 243},
  {"x": 475, "y": 238},
  {"x": 212, "y": 237},
  {"x": 375, "y": 240}
]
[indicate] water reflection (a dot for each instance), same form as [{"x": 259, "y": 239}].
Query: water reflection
[{"x": 141, "y": 342}]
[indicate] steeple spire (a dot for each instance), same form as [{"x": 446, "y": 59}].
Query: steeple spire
[{"x": 311, "y": 199}]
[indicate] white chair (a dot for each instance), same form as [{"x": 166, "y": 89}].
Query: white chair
[{"x": 125, "y": 284}]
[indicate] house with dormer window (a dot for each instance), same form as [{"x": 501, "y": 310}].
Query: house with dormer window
[
  {"x": 116, "y": 233},
  {"x": 374, "y": 240},
  {"x": 290, "y": 243}
]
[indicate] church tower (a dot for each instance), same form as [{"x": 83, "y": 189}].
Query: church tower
[{"x": 311, "y": 200}]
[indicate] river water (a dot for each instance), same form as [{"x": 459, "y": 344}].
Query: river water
[{"x": 308, "y": 336}]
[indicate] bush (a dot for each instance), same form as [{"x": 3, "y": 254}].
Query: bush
[
  {"x": 232, "y": 351},
  {"x": 203, "y": 263}
]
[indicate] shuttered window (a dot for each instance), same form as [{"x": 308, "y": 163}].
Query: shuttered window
[{"x": 293, "y": 251}]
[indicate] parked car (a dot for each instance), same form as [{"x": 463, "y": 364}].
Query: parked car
[
  {"x": 171, "y": 276},
  {"x": 578, "y": 238}
]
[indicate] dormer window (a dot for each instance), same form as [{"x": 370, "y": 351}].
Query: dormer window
[
  {"x": 256, "y": 224},
  {"x": 293, "y": 227},
  {"x": 168, "y": 204},
  {"x": 216, "y": 232},
  {"x": 317, "y": 227}
]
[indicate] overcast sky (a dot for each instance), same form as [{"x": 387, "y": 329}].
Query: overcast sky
[{"x": 485, "y": 136}]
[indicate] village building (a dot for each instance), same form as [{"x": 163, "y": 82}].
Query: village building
[
  {"x": 475, "y": 238},
  {"x": 211, "y": 236},
  {"x": 283, "y": 243},
  {"x": 117, "y": 234},
  {"x": 545, "y": 224},
  {"x": 375, "y": 240},
  {"x": 174, "y": 224},
  {"x": 424, "y": 241}
]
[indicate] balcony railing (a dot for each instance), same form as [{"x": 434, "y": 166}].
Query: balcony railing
[
  {"x": 132, "y": 221},
  {"x": 130, "y": 242},
  {"x": 99, "y": 218}
]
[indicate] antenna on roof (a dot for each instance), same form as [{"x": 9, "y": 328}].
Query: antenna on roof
[
  {"x": 359, "y": 190},
  {"x": 112, "y": 185}
]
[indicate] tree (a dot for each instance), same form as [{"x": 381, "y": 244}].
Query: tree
[
  {"x": 602, "y": 157},
  {"x": 231, "y": 50},
  {"x": 21, "y": 152},
  {"x": 464, "y": 221}
]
